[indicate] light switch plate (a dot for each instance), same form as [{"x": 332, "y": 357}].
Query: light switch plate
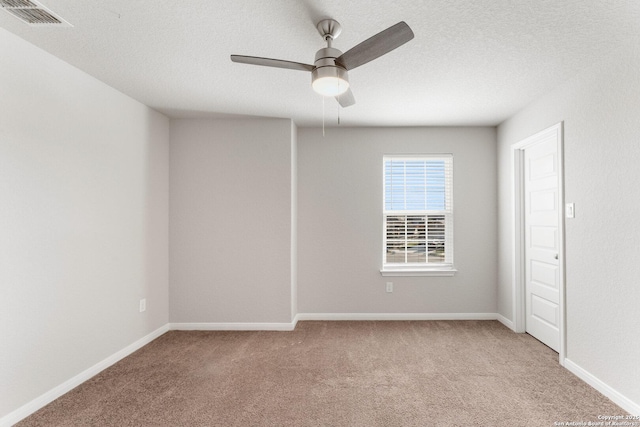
[{"x": 570, "y": 210}]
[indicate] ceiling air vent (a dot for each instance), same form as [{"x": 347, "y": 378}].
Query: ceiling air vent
[{"x": 33, "y": 13}]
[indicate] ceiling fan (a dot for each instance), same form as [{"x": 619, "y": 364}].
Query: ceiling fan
[{"x": 329, "y": 71}]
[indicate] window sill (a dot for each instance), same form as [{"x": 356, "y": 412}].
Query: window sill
[{"x": 416, "y": 272}]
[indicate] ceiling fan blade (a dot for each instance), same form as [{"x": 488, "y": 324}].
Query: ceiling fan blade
[
  {"x": 268, "y": 62},
  {"x": 376, "y": 46},
  {"x": 346, "y": 99}
]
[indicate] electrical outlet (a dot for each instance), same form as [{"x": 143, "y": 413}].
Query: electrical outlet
[
  {"x": 389, "y": 286},
  {"x": 143, "y": 305}
]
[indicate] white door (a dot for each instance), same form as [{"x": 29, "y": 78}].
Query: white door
[{"x": 542, "y": 241}]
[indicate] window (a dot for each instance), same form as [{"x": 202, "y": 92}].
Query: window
[{"x": 418, "y": 215}]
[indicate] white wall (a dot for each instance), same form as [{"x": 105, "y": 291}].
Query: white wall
[
  {"x": 601, "y": 113},
  {"x": 340, "y": 222},
  {"x": 83, "y": 221},
  {"x": 231, "y": 221}
]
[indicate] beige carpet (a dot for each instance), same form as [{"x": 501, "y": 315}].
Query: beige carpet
[{"x": 431, "y": 373}]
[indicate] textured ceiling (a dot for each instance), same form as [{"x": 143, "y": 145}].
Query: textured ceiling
[{"x": 470, "y": 63}]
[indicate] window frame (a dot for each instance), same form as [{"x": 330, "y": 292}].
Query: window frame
[{"x": 426, "y": 268}]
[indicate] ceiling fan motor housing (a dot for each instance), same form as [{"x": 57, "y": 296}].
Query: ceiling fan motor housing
[{"x": 327, "y": 73}]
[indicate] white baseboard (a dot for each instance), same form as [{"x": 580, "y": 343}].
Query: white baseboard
[
  {"x": 233, "y": 326},
  {"x": 616, "y": 397},
  {"x": 396, "y": 316},
  {"x": 40, "y": 402},
  {"x": 258, "y": 326},
  {"x": 506, "y": 322}
]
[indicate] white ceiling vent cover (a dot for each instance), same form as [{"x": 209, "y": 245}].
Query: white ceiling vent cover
[{"x": 33, "y": 13}]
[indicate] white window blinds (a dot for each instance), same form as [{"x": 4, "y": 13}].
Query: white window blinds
[{"x": 418, "y": 211}]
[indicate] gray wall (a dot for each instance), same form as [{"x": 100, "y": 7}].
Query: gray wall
[
  {"x": 601, "y": 113},
  {"x": 231, "y": 221},
  {"x": 83, "y": 221},
  {"x": 340, "y": 221}
]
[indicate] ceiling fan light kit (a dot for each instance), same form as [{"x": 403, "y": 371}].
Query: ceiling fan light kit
[{"x": 329, "y": 75}]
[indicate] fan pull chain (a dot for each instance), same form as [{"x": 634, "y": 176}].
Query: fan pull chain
[{"x": 323, "y": 116}]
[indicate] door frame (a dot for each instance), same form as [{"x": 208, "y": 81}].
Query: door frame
[{"x": 518, "y": 219}]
